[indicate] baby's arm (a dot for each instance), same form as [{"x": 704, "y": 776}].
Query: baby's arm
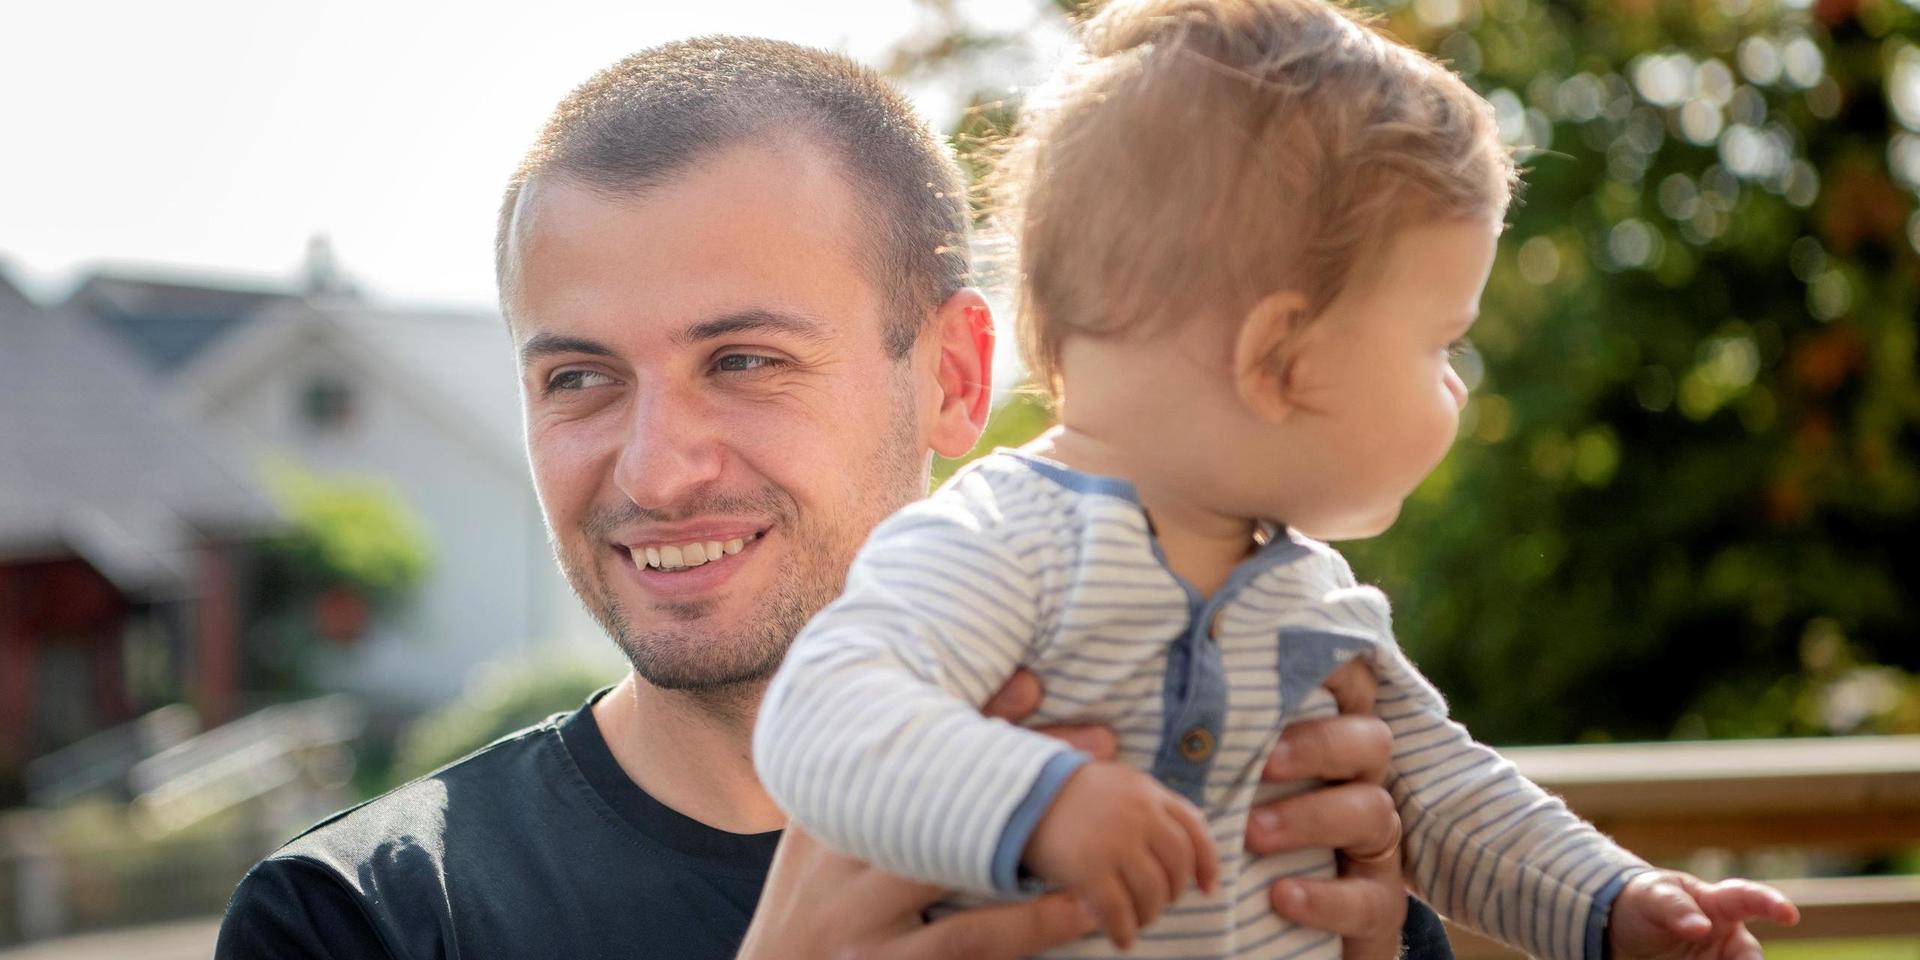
[
  {"x": 870, "y": 734},
  {"x": 1669, "y": 915},
  {"x": 1483, "y": 845},
  {"x": 1493, "y": 850}
]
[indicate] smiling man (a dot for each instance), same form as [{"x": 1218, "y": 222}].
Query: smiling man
[{"x": 735, "y": 274}]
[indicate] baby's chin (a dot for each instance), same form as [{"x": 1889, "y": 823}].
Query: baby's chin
[{"x": 1354, "y": 526}]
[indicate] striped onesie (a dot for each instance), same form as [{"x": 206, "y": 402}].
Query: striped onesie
[{"x": 870, "y": 735}]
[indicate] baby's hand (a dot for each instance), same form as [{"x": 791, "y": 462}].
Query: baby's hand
[
  {"x": 1669, "y": 915},
  {"x": 1122, "y": 843}
]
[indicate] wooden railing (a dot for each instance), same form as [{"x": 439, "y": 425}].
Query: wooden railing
[{"x": 1664, "y": 800}]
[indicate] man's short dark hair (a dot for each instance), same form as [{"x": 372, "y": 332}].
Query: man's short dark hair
[{"x": 641, "y": 120}]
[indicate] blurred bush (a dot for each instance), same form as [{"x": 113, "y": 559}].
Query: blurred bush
[
  {"x": 347, "y": 532},
  {"x": 1686, "y": 497},
  {"x": 1692, "y": 468},
  {"x": 352, "y": 551},
  {"x": 502, "y": 699}
]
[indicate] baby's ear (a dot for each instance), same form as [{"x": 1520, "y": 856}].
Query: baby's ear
[{"x": 1265, "y": 351}]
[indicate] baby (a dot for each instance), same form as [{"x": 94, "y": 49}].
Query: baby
[{"x": 1252, "y": 234}]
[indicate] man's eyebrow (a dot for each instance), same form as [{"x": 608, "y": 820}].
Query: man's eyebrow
[
  {"x": 754, "y": 321},
  {"x": 547, "y": 344}
]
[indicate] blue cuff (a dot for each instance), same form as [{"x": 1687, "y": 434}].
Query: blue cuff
[
  {"x": 1026, "y": 816},
  {"x": 1597, "y": 917}
]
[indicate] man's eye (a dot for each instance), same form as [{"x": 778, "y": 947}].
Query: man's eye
[
  {"x": 745, "y": 363},
  {"x": 567, "y": 381}
]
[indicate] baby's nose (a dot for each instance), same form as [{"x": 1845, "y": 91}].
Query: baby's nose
[{"x": 1458, "y": 388}]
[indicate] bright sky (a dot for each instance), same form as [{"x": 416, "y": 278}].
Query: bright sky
[{"x": 218, "y": 135}]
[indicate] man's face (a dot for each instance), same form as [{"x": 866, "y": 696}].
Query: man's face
[{"x": 702, "y": 365}]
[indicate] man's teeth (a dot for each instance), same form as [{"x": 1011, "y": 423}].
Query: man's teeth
[{"x": 690, "y": 554}]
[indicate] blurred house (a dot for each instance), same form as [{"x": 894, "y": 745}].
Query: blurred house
[
  {"x": 168, "y": 322},
  {"x": 123, "y": 541},
  {"x": 425, "y": 400}
]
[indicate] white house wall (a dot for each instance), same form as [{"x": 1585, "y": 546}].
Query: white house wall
[{"x": 493, "y": 590}]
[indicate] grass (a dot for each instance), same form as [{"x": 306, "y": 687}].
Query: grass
[{"x": 1898, "y": 948}]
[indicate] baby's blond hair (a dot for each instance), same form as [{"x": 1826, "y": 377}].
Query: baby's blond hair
[{"x": 1204, "y": 154}]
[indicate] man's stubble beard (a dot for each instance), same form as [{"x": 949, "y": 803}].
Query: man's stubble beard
[{"x": 671, "y": 649}]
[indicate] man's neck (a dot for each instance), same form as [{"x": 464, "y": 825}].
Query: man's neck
[{"x": 690, "y": 751}]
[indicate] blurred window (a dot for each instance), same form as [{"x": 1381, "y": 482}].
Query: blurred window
[{"x": 326, "y": 403}]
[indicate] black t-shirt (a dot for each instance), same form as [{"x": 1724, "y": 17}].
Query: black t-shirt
[{"x": 537, "y": 846}]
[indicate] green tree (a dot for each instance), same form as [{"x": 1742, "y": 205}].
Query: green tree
[
  {"x": 351, "y": 550},
  {"x": 1686, "y": 497}
]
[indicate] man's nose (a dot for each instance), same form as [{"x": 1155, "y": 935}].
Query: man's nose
[{"x": 670, "y": 448}]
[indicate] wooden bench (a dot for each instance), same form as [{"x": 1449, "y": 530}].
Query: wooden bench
[{"x": 1661, "y": 800}]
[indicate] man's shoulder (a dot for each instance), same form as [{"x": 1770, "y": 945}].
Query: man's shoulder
[{"x": 408, "y": 825}]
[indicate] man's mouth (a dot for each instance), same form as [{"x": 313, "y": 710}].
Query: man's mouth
[{"x": 677, "y": 557}]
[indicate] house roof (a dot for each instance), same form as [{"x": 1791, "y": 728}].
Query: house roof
[
  {"x": 166, "y": 321},
  {"x": 464, "y": 356},
  {"x": 454, "y": 366},
  {"x": 93, "y": 462},
  {"x": 10, "y": 296}
]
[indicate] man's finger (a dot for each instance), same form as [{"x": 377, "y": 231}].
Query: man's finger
[
  {"x": 1332, "y": 748},
  {"x": 1097, "y": 742},
  {"x": 1350, "y": 816},
  {"x": 1353, "y": 686},
  {"x": 1000, "y": 932},
  {"x": 885, "y": 894},
  {"x": 1017, "y": 699},
  {"x": 1353, "y": 907}
]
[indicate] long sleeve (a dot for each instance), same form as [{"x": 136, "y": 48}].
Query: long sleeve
[
  {"x": 1486, "y": 846},
  {"x": 870, "y": 735}
]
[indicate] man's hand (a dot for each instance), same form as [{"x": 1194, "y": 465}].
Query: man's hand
[
  {"x": 1124, "y": 844},
  {"x": 818, "y": 905},
  {"x": 1669, "y": 915},
  {"x": 1368, "y": 903}
]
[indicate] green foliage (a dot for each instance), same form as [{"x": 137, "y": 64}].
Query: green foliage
[
  {"x": 347, "y": 532},
  {"x": 1893, "y": 948},
  {"x": 1696, "y": 447},
  {"x": 1021, "y": 416},
  {"x": 351, "y": 550},
  {"x": 505, "y": 698},
  {"x": 1686, "y": 498}
]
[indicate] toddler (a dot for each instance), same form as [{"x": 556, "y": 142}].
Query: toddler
[{"x": 1252, "y": 232}]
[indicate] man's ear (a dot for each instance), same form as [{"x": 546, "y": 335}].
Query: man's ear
[
  {"x": 962, "y": 331},
  {"x": 1266, "y": 353}
]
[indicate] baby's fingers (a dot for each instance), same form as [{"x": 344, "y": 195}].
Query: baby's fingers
[
  {"x": 1741, "y": 900},
  {"x": 1741, "y": 946},
  {"x": 1147, "y": 883},
  {"x": 1206, "y": 861},
  {"x": 1669, "y": 905},
  {"x": 1108, "y": 899},
  {"x": 1176, "y": 854}
]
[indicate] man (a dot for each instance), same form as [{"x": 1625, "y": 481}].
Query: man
[{"x": 735, "y": 274}]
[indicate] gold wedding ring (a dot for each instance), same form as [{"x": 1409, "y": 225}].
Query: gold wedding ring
[{"x": 1387, "y": 852}]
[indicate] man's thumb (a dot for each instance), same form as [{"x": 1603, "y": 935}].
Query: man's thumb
[{"x": 1005, "y": 931}]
